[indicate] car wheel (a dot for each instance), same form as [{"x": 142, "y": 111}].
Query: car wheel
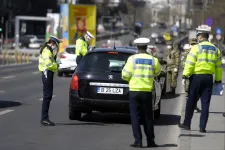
[
  {"x": 73, "y": 114},
  {"x": 66, "y": 74},
  {"x": 60, "y": 73},
  {"x": 157, "y": 112}
]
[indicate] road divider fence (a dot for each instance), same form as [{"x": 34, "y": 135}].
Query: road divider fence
[{"x": 16, "y": 57}]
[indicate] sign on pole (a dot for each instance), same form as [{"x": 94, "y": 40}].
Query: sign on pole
[
  {"x": 209, "y": 21},
  {"x": 218, "y": 31},
  {"x": 218, "y": 36}
]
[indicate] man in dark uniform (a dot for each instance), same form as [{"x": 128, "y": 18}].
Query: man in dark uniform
[{"x": 139, "y": 71}]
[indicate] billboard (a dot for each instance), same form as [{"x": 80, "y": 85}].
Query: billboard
[
  {"x": 82, "y": 18},
  {"x": 64, "y": 26},
  {"x": 52, "y": 27},
  {"x": 75, "y": 20}
]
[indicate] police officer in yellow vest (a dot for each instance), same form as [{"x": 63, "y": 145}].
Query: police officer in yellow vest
[
  {"x": 173, "y": 60},
  {"x": 82, "y": 46},
  {"x": 202, "y": 62},
  {"x": 48, "y": 66},
  {"x": 192, "y": 42},
  {"x": 139, "y": 71}
]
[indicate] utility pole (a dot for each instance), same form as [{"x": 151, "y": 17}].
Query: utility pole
[{"x": 205, "y": 3}]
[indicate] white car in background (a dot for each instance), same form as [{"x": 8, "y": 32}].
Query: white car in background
[
  {"x": 67, "y": 61},
  {"x": 154, "y": 35}
]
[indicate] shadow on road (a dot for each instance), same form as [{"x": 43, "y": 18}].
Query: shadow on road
[
  {"x": 216, "y": 112},
  {"x": 109, "y": 118},
  {"x": 6, "y": 104},
  {"x": 167, "y": 119},
  {"x": 80, "y": 123},
  {"x": 192, "y": 135},
  {"x": 166, "y": 96},
  {"x": 165, "y": 145},
  {"x": 212, "y": 131}
]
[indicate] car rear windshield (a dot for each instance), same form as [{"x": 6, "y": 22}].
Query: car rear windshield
[
  {"x": 103, "y": 62},
  {"x": 70, "y": 50}
]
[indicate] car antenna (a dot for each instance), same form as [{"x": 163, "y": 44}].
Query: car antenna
[{"x": 114, "y": 46}]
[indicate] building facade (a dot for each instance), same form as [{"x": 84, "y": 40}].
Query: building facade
[{"x": 11, "y": 8}]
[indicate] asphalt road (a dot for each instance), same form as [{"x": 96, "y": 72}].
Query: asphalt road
[{"x": 20, "y": 105}]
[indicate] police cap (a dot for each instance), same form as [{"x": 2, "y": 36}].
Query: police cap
[
  {"x": 55, "y": 39},
  {"x": 90, "y": 35},
  {"x": 141, "y": 41}
]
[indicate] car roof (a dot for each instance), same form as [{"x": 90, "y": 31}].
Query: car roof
[
  {"x": 71, "y": 46},
  {"x": 117, "y": 49}
]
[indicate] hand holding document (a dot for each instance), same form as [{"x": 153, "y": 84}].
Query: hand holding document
[{"x": 218, "y": 89}]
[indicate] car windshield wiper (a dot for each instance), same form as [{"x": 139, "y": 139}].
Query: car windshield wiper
[{"x": 115, "y": 70}]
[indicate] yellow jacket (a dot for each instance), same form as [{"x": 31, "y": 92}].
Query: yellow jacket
[
  {"x": 204, "y": 58},
  {"x": 46, "y": 61},
  {"x": 140, "y": 70},
  {"x": 81, "y": 47}
]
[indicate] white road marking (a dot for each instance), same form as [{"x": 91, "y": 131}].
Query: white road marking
[
  {"x": 6, "y": 111},
  {"x": 36, "y": 72},
  {"x": 41, "y": 99},
  {"x": 8, "y": 77}
]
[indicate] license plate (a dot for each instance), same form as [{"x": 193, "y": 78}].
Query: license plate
[
  {"x": 106, "y": 90},
  {"x": 72, "y": 68}
]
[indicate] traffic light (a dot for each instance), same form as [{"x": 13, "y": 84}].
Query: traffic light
[{"x": 0, "y": 29}]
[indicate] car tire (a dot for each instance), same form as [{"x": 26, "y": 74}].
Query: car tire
[
  {"x": 73, "y": 114},
  {"x": 60, "y": 73},
  {"x": 67, "y": 74},
  {"x": 157, "y": 112}
]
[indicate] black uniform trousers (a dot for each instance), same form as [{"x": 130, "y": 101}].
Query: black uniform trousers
[
  {"x": 200, "y": 86},
  {"x": 141, "y": 106},
  {"x": 47, "y": 93}
]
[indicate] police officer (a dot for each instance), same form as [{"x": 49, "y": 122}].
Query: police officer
[
  {"x": 47, "y": 66},
  {"x": 192, "y": 42},
  {"x": 82, "y": 46},
  {"x": 173, "y": 60},
  {"x": 139, "y": 71},
  {"x": 202, "y": 62}
]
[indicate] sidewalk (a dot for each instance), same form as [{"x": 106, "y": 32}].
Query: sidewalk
[{"x": 214, "y": 139}]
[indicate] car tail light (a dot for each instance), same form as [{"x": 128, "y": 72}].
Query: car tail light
[
  {"x": 74, "y": 83},
  {"x": 113, "y": 53},
  {"x": 62, "y": 56}
]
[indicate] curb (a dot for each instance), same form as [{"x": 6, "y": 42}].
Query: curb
[{"x": 14, "y": 64}]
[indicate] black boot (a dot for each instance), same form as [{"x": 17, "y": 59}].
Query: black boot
[
  {"x": 151, "y": 144},
  {"x": 136, "y": 145},
  {"x": 47, "y": 122}
]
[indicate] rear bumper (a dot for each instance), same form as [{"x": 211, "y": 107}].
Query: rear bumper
[
  {"x": 86, "y": 104},
  {"x": 69, "y": 69}
]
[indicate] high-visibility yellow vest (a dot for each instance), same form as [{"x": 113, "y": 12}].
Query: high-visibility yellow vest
[
  {"x": 46, "y": 61},
  {"x": 81, "y": 47},
  {"x": 140, "y": 70},
  {"x": 204, "y": 58}
]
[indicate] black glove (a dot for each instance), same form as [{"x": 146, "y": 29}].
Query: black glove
[
  {"x": 218, "y": 82},
  {"x": 184, "y": 77}
]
